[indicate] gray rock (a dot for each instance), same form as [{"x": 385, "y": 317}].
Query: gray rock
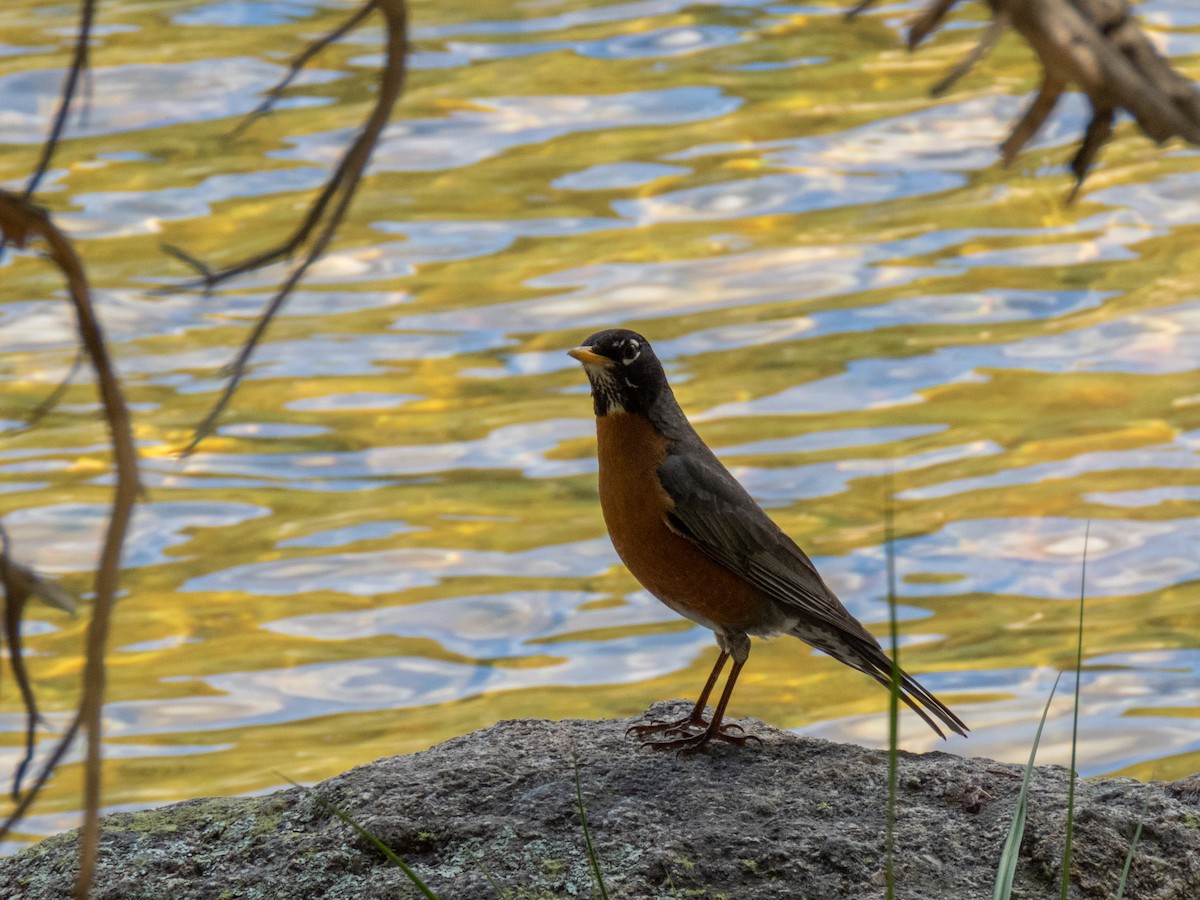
[{"x": 794, "y": 818}]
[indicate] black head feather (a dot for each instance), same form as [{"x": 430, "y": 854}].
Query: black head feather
[{"x": 624, "y": 373}]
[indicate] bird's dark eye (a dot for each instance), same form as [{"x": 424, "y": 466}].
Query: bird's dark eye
[{"x": 633, "y": 350}]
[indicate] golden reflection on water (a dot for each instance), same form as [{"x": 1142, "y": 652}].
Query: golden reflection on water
[{"x": 394, "y": 537}]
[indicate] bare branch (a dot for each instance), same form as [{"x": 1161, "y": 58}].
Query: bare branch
[
  {"x": 300, "y": 61},
  {"x": 991, "y": 34},
  {"x": 22, "y": 222},
  {"x": 339, "y": 190},
  {"x": 20, "y": 583},
  {"x": 1098, "y": 131},
  {"x": 928, "y": 21},
  {"x": 51, "y": 400},
  {"x": 337, "y": 182},
  {"x": 79, "y": 65},
  {"x": 16, "y": 593},
  {"x": 56, "y": 756},
  {"x": 1095, "y": 45},
  {"x": 860, "y": 7},
  {"x": 1039, "y": 110}
]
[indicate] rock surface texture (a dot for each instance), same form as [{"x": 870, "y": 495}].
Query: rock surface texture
[{"x": 494, "y": 814}]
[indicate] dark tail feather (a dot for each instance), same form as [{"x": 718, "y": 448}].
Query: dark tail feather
[
  {"x": 881, "y": 670},
  {"x": 859, "y": 650}
]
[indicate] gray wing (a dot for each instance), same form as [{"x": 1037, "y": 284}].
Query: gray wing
[{"x": 713, "y": 511}]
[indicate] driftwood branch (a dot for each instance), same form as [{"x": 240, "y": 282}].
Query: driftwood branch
[
  {"x": 323, "y": 218},
  {"x": 1095, "y": 46},
  {"x": 22, "y": 222}
]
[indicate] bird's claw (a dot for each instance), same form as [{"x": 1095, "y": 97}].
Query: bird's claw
[
  {"x": 679, "y": 726},
  {"x": 693, "y": 743}
]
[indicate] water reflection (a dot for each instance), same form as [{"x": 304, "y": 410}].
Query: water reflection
[
  {"x": 141, "y": 96},
  {"x": 1165, "y": 342},
  {"x": 274, "y": 696},
  {"x": 779, "y": 194},
  {"x": 522, "y": 447},
  {"x": 791, "y": 483},
  {"x": 506, "y": 123},
  {"x": 486, "y": 626},
  {"x": 1181, "y": 454},
  {"x": 392, "y": 571},
  {"x": 615, "y": 12},
  {"x": 1118, "y": 722},
  {"x": 65, "y": 537},
  {"x": 397, "y": 519}
]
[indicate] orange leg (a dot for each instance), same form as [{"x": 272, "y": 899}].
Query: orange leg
[
  {"x": 695, "y": 719},
  {"x": 714, "y": 731}
]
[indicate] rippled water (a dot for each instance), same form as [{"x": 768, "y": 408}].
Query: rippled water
[{"x": 395, "y": 538}]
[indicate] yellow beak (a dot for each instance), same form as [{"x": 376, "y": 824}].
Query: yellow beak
[{"x": 589, "y": 357}]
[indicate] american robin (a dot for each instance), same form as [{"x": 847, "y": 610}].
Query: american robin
[{"x": 698, "y": 542}]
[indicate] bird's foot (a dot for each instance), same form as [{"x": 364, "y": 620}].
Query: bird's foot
[
  {"x": 679, "y": 726},
  {"x": 693, "y": 743}
]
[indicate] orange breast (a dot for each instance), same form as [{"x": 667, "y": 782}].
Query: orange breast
[{"x": 668, "y": 565}]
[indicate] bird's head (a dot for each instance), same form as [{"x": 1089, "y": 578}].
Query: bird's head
[{"x": 625, "y": 374}]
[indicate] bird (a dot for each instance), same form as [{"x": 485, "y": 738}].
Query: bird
[{"x": 695, "y": 539}]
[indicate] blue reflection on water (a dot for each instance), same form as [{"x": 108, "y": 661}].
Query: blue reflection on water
[
  {"x": 466, "y": 137},
  {"x": 258, "y": 13},
  {"x": 609, "y": 176},
  {"x": 273, "y": 696},
  {"x": 1030, "y": 557},
  {"x": 484, "y": 626},
  {"x": 136, "y": 97},
  {"x": 1181, "y": 454},
  {"x": 65, "y": 537},
  {"x": 613, "y": 12},
  {"x": 371, "y": 574},
  {"x": 1114, "y": 724},
  {"x": 351, "y": 534}
]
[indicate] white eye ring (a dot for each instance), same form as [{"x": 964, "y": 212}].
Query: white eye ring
[{"x": 637, "y": 351}]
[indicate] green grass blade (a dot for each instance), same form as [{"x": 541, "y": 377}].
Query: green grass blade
[
  {"x": 374, "y": 841},
  {"x": 1012, "y": 845},
  {"x": 495, "y": 885},
  {"x": 1137, "y": 835},
  {"x": 894, "y": 698},
  {"x": 593, "y": 859},
  {"x": 1069, "y": 845},
  {"x": 675, "y": 890}
]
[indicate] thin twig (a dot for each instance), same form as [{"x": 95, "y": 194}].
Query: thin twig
[
  {"x": 52, "y": 399},
  {"x": 22, "y": 222},
  {"x": 52, "y": 761},
  {"x": 929, "y": 19},
  {"x": 1039, "y": 110},
  {"x": 14, "y": 607},
  {"x": 342, "y": 178},
  {"x": 859, "y": 7},
  {"x": 298, "y": 64},
  {"x": 79, "y": 65},
  {"x": 987, "y": 41},
  {"x": 18, "y": 583},
  {"x": 340, "y": 188}
]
